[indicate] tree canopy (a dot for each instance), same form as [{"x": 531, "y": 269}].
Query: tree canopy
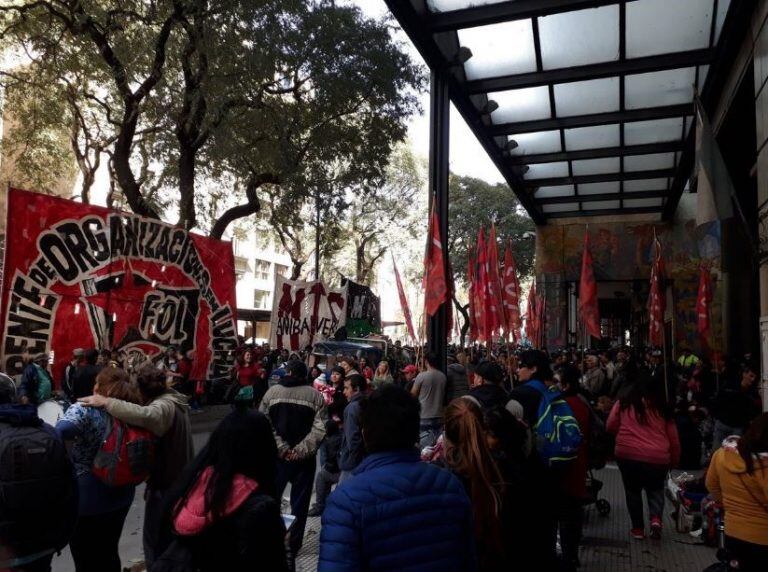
[{"x": 237, "y": 101}]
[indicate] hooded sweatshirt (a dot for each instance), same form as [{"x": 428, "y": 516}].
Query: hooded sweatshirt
[
  {"x": 744, "y": 496},
  {"x": 249, "y": 535},
  {"x": 193, "y": 519}
]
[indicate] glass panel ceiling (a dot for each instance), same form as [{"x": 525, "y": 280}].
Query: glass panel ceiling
[
  {"x": 597, "y": 166},
  {"x": 645, "y": 185},
  {"x": 722, "y": 10},
  {"x": 666, "y": 26},
  {"x": 601, "y": 205},
  {"x": 521, "y": 104},
  {"x": 559, "y": 191},
  {"x": 669, "y": 87},
  {"x": 545, "y": 170},
  {"x": 603, "y": 97},
  {"x": 591, "y": 137},
  {"x": 561, "y": 208},
  {"x": 649, "y": 162},
  {"x": 654, "y": 131},
  {"x": 540, "y": 142},
  {"x": 580, "y": 37},
  {"x": 499, "y": 49},
  {"x": 632, "y": 203},
  {"x": 599, "y": 188},
  {"x": 448, "y": 5}
]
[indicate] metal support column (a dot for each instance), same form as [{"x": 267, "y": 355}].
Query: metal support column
[{"x": 439, "y": 129}]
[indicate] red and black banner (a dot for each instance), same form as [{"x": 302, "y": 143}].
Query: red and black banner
[{"x": 82, "y": 276}]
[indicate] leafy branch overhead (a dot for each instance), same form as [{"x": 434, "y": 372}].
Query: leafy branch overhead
[{"x": 268, "y": 99}]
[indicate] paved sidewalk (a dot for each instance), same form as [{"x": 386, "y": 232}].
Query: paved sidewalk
[{"x": 607, "y": 545}]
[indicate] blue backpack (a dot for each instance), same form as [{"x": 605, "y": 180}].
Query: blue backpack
[{"x": 556, "y": 432}]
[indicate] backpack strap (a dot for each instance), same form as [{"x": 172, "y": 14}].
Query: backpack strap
[{"x": 752, "y": 494}]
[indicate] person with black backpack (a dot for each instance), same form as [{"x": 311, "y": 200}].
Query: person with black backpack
[
  {"x": 36, "y": 477},
  {"x": 102, "y": 506}
]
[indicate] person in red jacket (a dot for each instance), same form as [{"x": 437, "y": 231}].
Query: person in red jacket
[
  {"x": 573, "y": 482},
  {"x": 647, "y": 446}
]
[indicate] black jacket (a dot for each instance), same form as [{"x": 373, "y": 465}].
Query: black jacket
[
  {"x": 490, "y": 395},
  {"x": 83, "y": 381},
  {"x": 252, "y": 538},
  {"x": 736, "y": 408},
  {"x": 457, "y": 383}
]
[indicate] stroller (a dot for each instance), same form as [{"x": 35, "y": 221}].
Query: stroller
[{"x": 594, "y": 486}]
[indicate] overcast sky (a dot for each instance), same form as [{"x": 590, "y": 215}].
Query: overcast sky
[{"x": 467, "y": 157}]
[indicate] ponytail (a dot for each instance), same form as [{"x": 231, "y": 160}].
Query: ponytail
[{"x": 468, "y": 455}]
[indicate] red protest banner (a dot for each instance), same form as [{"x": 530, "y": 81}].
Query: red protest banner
[{"x": 80, "y": 276}]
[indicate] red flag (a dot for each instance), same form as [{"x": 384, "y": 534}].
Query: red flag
[
  {"x": 511, "y": 295},
  {"x": 404, "y": 303},
  {"x": 471, "y": 282},
  {"x": 657, "y": 297},
  {"x": 435, "y": 283},
  {"x": 703, "y": 301},
  {"x": 530, "y": 314},
  {"x": 588, "y": 310},
  {"x": 495, "y": 308},
  {"x": 481, "y": 290}
]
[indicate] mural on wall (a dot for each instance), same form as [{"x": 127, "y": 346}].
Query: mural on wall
[{"x": 623, "y": 251}]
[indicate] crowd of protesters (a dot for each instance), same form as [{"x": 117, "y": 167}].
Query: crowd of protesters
[{"x": 482, "y": 466}]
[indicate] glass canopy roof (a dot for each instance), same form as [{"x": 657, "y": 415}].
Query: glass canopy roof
[{"x": 589, "y": 103}]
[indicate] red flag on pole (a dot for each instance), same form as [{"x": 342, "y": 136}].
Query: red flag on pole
[
  {"x": 481, "y": 290},
  {"x": 404, "y": 303},
  {"x": 541, "y": 309},
  {"x": 435, "y": 283},
  {"x": 495, "y": 309},
  {"x": 657, "y": 297},
  {"x": 530, "y": 315},
  {"x": 588, "y": 309},
  {"x": 703, "y": 301},
  {"x": 471, "y": 282},
  {"x": 511, "y": 293}
]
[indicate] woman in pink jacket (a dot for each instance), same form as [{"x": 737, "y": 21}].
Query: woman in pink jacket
[{"x": 647, "y": 446}]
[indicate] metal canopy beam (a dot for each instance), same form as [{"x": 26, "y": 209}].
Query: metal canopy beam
[
  {"x": 601, "y": 178},
  {"x": 668, "y": 147},
  {"x": 606, "y": 212},
  {"x": 593, "y": 71},
  {"x": 413, "y": 24},
  {"x": 439, "y": 138},
  {"x": 646, "y": 114},
  {"x": 507, "y": 11},
  {"x": 602, "y": 197}
]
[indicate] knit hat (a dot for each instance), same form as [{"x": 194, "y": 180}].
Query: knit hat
[{"x": 490, "y": 371}]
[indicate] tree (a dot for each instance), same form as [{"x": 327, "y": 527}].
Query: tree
[
  {"x": 383, "y": 215},
  {"x": 473, "y": 204},
  {"x": 191, "y": 94}
]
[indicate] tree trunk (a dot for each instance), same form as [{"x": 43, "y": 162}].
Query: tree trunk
[
  {"x": 121, "y": 159},
  {"x": 297, "y": 266},
  {"x": 465, "y": 314},
  {"x": 187, "y": 161}
]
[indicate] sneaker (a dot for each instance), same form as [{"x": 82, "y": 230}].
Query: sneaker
[
  {"x": 637, "y": 533},
  {"x": 655, "y": 528}
]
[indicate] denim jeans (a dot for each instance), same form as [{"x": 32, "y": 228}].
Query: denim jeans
[
  {"x": 639, "y": 477},
  {"x": 323, "y": 484},
  {"x": 429, "y": 431}
]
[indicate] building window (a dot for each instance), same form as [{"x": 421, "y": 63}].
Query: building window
[
  {"x": 261, "y": 299},
  {"x": 281, "y": 270},
  {"x": 261, "y": 270}
]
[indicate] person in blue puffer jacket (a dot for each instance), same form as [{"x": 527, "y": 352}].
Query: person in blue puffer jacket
[{"x": 395, "y": 512}]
